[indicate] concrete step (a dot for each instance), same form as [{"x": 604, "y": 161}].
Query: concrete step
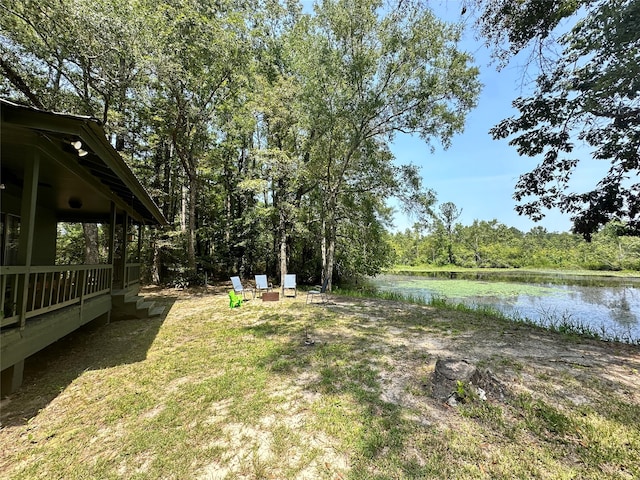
[
  {"x": 121, "y": 297},
  {"x": 129, "y": 306},
  {"x": 156, "y": 311}
]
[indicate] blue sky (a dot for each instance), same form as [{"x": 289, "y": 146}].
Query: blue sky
[{"x": 478, "y": 174}]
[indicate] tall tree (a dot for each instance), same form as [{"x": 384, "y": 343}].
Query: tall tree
[
  {"x": 200, "y": 52},
  {"x": 448, "y": 214},
  {"x": 371, "y": 70},
  {"x": 280, "y": 114}
]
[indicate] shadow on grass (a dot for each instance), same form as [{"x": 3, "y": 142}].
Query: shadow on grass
[
  {"x": 337, "y": 365},
  {"x": 342, "y": 365},
  {"x": 50, "y": 371}
]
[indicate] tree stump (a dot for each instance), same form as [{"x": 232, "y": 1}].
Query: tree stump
[{"x": 459, "y": 380}]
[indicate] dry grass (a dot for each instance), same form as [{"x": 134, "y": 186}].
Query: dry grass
[{"x": 213, "y": 393}]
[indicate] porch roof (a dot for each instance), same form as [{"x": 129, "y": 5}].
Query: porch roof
[{"x": 78, "y": 187}]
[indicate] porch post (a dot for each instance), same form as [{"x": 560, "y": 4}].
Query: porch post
[
  {"x": 140, "y": 233},
  {"x": 14, "y": 374},
  {"x": 112, "y": 233},
  {"x": 125, "y": 247},
  {"x": 27, "y": 224},
  {"x": 112, "y": 245},
  {"x": 11, "y": 378},
  {"x": 119, "y": 260}
]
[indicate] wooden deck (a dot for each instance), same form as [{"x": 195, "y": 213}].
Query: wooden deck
[{"x": 42, "y": 304}]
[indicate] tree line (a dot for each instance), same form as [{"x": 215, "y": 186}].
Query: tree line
[
  {"x": 262, "y": 130},
  {"x": 492, "y": 244}
]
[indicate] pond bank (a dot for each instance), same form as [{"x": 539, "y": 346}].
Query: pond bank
[
  {"x": 606, "y": 307},
  {"x": 459, "y": 272}
]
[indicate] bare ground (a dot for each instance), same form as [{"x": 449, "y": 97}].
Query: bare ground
[{"x": 523, "y": 358}]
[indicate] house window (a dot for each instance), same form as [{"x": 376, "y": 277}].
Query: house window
[{"x": 9, "y": 239}]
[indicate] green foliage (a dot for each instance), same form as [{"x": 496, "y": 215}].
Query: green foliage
[
  {"x": 71, "y": 242},
  {"x": 464, "y": 392},
  {"x": 494, "y": 245},
  {"x": 589, "y": 97},
  {"x": 367, "y": 71},
  {"x": 260, "y": 132},
  {"x": 509, "y": 27}
]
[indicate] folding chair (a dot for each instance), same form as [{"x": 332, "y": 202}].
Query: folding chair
[
  {"x": 239, "y": 289},
  {"x": 318, "y": 291},
  {"x": 262, "y": 285},
  {"x": 290, "y": 284}
]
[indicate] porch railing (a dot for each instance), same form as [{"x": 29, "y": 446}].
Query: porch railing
[
  {"x": 131, "y": 274},
  {"x": 28, "y": 292}
]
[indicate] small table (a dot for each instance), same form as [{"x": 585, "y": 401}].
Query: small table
[{"x": 271, "y": 296}]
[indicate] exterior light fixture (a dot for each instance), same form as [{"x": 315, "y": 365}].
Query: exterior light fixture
[{"x": 77, "y": 144}]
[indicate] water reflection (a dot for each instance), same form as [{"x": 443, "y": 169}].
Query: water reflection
[
  {"x": 609, "y": 306},
  {"x": 540, "y": 278}
]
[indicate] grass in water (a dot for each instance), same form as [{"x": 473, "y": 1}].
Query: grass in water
[
  {"x": 559, "y": 322},
  {"x": 209, "y": 392}
]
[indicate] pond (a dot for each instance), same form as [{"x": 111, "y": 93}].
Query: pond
[{"x": 607, "y": 306}]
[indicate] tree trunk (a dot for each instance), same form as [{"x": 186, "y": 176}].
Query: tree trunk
[
  {"x": 183, "y": 210},
  {"x": 169, "y": 202},
  {"x": 155, "y": 264},
  {"x": 283, "y": 250},
  {"x": 324, "y": 250},
  {"x": 91, "y": 252},
  {"x": 476, "y": 251},
  {"x": 191, "y": 234},
  {"x": 331, "y": 255},
  {"x": 328, "y": 245}
]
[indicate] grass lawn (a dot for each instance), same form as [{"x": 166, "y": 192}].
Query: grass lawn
[{"x": 207, "y": 392}]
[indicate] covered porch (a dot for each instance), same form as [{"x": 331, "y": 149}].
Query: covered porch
[{"x": 62, "y": 168}]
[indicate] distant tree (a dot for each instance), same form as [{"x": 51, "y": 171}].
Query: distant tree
[
  {"x": 478, "y": 239},
  {"x": 447, "y": 217},
  {"x": 492, "y": 244}
]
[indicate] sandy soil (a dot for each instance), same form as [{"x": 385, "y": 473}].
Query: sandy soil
[{"x": 522, "y": 358}]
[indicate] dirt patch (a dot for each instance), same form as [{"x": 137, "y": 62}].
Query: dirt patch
[{"x": 511, "y": 358}]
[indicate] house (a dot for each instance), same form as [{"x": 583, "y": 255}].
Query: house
[{"x": 61, "y": 168}]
